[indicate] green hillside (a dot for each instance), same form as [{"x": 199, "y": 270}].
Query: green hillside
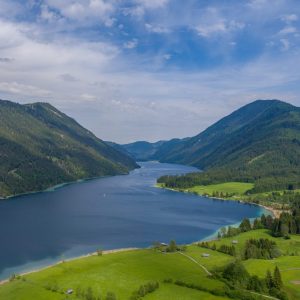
[
  {"x": 182, "y": 275},
  {"x": 41, "y": 147},
  {"x": 259, "y": 143}
]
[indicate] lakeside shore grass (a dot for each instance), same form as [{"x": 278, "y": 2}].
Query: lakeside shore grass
[
  {"x": 236, "y": 189},
  {"x": 123, "y": 271},
  {"x": 219, "y": 259}
]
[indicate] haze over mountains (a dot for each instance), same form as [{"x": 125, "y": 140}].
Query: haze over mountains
[
  {"x": 41, "y": 147},
  {"x": 258, "y": 141}
]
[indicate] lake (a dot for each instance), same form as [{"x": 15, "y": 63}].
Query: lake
[{"x": 113, "y": 212}]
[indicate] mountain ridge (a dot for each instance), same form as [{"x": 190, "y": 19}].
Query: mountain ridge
[
  {"x": 43, "y": 147},
  {"x": 258, "y": 142}
]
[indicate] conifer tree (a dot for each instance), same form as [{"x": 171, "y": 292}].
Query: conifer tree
[
  {"x": 269, "y": 280},
  {"x": 277, "y": 281}
]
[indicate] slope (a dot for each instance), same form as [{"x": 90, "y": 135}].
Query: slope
[{"x": 40, "y": 147}]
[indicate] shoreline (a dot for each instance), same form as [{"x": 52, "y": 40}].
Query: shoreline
[
  {"x": 274, "y": 212},
  {"x": 56, "y": 187},
  {"x": 104, "y": 252},
  {"x": 212, "y": 236}
]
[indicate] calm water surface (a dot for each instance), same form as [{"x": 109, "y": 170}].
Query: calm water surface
[{"x": 115, "y": 212}]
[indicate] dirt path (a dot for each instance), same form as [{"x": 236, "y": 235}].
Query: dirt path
[
  {"x": 209, "y": 274},
  {"x": 193, "y": 260}
]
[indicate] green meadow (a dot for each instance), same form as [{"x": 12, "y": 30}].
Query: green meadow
[
  {"x": 124, "y": 272},
  {"x": 228, "y": 188},
  {"x": 236, "y": 188},
  {"x": 120, "y": 273}
]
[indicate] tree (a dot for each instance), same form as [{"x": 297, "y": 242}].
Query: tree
[
  {"x": 245, "y": 225},
  {"x": 257, "y": 224},
  {"x": 89, "y": 294},
  {"x": 256, "y": 284},
  {"x": 269, "y": 222},
  {"x": 284, "y": 229},
  {"x": 110, "y": 296},
  {"x": 223, "y": 231},
  {"x": 263, "y": 220},
  {"x": 236, "y": 273},
  {"x": 172, "y": 246},
  {"x": 269, "y": 280},
  {"x": 277, "y": 281}
]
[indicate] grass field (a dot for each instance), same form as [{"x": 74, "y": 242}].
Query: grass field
[
  {"x": 124, "y": 272},
  {"x": 288, "y": 263},
  {"x": 121, "y": 273},
  {"x": 237, "y": 188},
  {"x": 168, "y": 291}
]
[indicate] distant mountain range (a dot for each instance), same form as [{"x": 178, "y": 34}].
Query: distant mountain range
[
  {"x": 41, "y": 147},
  {"x": 259, "y": 142},
  {"x": 143, "y": 151}
]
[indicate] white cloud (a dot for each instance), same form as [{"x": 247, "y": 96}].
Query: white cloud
[
  {"x": 212, "y": 22},
  {"x": 152, "y": 4},
  {"x": 23, "y": 89},
  {"x": 131, "y": 44},
  {"x": 140, "y": 7},
  {"x": 257, "y": 4},
  {"x": 285, "y": 44},
  {"x": 48, "y": 15},
  {"x": 219, "y": 27},
  {"x": 132, "y": 94},
  {"x": 288, "y": 30},
  {"x": 88, "y": 97},
  {"x": 82, "y": 10},
  {"x": 207, "y": 30},
  {"x": 156, "y": 28},
  {"x": 289, "y": 18}
]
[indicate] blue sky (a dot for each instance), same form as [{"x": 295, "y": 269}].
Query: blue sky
[{"x": 149, "y": 69}]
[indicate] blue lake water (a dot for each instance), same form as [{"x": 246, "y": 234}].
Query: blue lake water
[{"x": 114, "y": 212}]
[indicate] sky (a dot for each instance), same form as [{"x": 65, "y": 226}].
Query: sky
[{"x": 149, "y": 69}]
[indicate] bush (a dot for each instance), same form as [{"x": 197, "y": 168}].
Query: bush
[
  {"x": 145, "y": 289},
  {"x": 261, "y": 249},
  {"x": 236, "y": 274},
  {"x": 110, "y": 296}
]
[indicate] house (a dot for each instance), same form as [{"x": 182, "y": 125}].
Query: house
[
  {"x": 205, "y": 255},
  {"x": 235, "y": 242},
  {"x": 163, "y": 244}
]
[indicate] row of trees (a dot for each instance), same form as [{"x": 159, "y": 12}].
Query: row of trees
[
  {"x": 288, "y": 223},
  {"x": 259, "y": 223},
  {"x": 261, "y": 249},
  {"x": 171, "y": 247},
  {"x": 285, "y": 197},
  {"x": 267, "y": 181},
  {"x": 89, "y": 294},
  {"x": 238, "y": 277},
  {"x": 144, "y": 290},
  {"x": 227, "y": 249}
]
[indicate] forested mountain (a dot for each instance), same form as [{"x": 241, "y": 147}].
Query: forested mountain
[
  {"x": 260, "y": 127},
  {"x": 143, "y": 151},
  {"x": 41, "y": 147},
  {"x": 259, "y": 143}
]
